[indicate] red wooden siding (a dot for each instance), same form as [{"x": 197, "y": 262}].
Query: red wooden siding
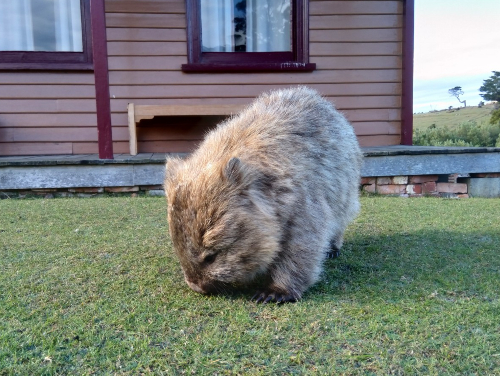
[
  {"x": 46, "y": 112},
  {"x": 356, "y": 45}
]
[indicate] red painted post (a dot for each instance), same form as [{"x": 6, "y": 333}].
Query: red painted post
[
  {"x": 408, "y": 51},
  {"x": 100, "y": 52}
]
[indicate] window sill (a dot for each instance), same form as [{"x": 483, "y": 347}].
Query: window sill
[{"x": 255, "y": 67}]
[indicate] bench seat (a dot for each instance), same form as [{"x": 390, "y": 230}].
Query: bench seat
[{"x": 136, "y": 113}]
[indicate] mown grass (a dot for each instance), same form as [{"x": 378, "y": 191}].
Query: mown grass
[{"x": 90, "y": 287}]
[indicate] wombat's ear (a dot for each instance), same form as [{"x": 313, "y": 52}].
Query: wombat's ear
[{"x": 236, "y": 172}]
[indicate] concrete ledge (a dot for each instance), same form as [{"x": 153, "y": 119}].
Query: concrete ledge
[
  {"x": 78, "y": 171},
  {"x": 109, "y": 175},
  {"x": 484, "y": 187},
  {"x": 431, "y": 164}
]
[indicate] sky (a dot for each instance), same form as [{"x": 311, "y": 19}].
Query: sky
[{"x": 457, "y": 43}]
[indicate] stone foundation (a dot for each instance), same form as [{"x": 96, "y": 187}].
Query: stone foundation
[
  {"x": 450, "y": 186},
  {"x": 151, "y": 190}
]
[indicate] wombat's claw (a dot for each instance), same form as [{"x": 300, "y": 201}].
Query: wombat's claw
[
  {"x": 268, "y": 297},
  {"x": 332, "y": 254}
]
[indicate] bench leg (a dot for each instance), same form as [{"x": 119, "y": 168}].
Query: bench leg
[{"x": 132, "y": 131}]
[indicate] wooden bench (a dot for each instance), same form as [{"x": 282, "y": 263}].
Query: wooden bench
[{"x": 136, "y": 113}]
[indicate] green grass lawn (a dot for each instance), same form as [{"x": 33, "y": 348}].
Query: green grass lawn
[
  {"x": 90, "y": 287},
  {"x": 445, "y": 118}
]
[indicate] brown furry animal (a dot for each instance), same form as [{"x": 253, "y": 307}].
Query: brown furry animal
[{"x": 266, "y": 195}]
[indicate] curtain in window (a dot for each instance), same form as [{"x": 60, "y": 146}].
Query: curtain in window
[
  {"x": 268, "y": 25},
  {"x": 68, "y": 25},
  {"x": 217, "y": 25},
  {"x": 40, "y": 25},
  {"x": 16, "y": 26}
]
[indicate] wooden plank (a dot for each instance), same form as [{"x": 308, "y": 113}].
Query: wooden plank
[
  {"x": 47, "y": 91},
  {"x": 132, "y": 128},
  {"x": 119, "y": 106},
  {"x": 324, "y": 76},
  {"x": 143, "y": 112},
  {"x": 56, "y": 78},
  {"x": 93, "y": 148},
  {"x": 375, "y": 116},
  {"x": 47, "y": 106},
  {"x": 60, "y": 134},
  {"x": 147, "y": 48},
  {"x": 47, "y": 120},
  {"x": 356, "y": 35},
  {"x": 366, "y": 102},
  {"x": 341, "y": 103},
  {"x": 355, "y": 22},
  {"x": 355, "y": 7},
  {"x": 369, "y": 128},
  {"x": 379, "y": 140},
  {"x": 164, "y": 21},
  {"x": 148, "y": 112},
  {"x": 357, "y": 62},
  {"x": 382, "y": 114},
  {"x": 155, "y": 63},
  {"x": 120, "y": 147},
  {"x": 149, "y": 6},
  {"x": 146, "y": 35},
  {"x": 247, "y": 91},
  {"x": 356, "y": 49},
  {"x": 35, "y": 148},
  {"x": 161, "y": 63}
]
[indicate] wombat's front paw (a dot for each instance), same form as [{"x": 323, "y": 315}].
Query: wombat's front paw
[
  {"x": 333, "y": 254},
  {"x": 272, "y": 296}
]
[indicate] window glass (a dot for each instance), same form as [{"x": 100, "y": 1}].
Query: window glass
[
  {"x": 41, "y": 25},
  {"x": 246, "y": 25}
]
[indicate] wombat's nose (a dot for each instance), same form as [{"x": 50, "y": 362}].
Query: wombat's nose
[{"x": 193, "y": 286}]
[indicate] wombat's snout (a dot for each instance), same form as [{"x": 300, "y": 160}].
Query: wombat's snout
[{"x": 197, "y": 287}]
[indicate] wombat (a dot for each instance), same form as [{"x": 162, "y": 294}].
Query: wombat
[{"x": 265, "y": 196}]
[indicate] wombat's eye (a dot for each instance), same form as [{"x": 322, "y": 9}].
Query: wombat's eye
[{"x": 209, "y": 259}]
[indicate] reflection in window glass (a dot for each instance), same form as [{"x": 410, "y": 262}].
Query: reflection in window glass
[
  {"x": 245, "y": 25},
  {"x": 40, "y": 25}
]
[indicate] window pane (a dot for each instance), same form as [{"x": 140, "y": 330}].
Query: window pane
[
  {"x": 245, "y": 25},
  {"x": 40, "y": 25}
]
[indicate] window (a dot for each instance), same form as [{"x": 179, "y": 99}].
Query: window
[
  {"x": 45, "y": 34},
  {"x": 247, "y": 35}
]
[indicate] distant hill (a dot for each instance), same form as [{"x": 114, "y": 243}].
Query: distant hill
[{"x": 453, "y": 118}]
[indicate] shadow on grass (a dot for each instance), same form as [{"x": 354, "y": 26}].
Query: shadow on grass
[{"x": 407, "y": 265}]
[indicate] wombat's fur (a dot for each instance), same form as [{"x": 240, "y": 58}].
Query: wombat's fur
[{"x": 264, "y": 198}]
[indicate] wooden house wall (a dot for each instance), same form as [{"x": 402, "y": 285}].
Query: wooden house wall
[
  {"x": 356, "y": 46},
  {"x": 47, "y": 113}
]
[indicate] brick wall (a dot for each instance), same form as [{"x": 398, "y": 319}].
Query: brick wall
[{"x": 453, "y": 186}]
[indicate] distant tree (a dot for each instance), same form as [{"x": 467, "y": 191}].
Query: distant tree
[
  {"x": 491, "y": 88},
  {"x": 457, "y": 92}
]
